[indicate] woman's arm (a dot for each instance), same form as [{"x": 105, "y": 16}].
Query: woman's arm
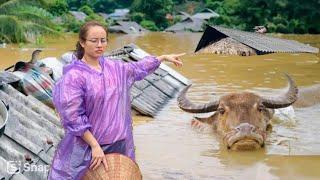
[
  {"x": 173, "y": 58},
  {"x": 138, "y": 70},
  {"x": 97, "y": 152}
]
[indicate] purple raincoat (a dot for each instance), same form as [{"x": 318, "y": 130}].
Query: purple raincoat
[{"x": 97, "y": 101}]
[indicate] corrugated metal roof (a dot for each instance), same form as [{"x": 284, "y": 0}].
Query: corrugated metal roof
[
  {"x": 205, "y": 14},
  {"x": 32, "y": 131},
  {"x": 188, "y": 24},
  {"x": 81, "y": 16},
  {"x": 104, "y": 15},
  {"x": 128, "y": 27},
  {"x": 119, "y": 14},
  {"x": 260, "y": 42}
]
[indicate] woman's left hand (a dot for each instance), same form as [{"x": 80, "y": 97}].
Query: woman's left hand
[{"x": 174, "y": 58}]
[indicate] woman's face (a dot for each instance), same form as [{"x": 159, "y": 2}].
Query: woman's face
[{"x": 95, "y": 43}]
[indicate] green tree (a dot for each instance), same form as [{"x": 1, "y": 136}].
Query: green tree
[
  {"x": 76, "y": 4},
  {"x": 150, "y": 25},
  {"x": 105, "y": 6},
  {"x": 86, "y": 9},
  {"x": 58, "y": 7},
  {"x": 294, "y": 16},
  {"x": 155, "y": 10},
  {"x": 22, "y": 21},
  {"x": 70, "y": 23},
  {"x": 137, "y": 17},
  {"x": 108, "y": 6}
]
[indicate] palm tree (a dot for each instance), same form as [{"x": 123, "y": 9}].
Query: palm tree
[{"x": 22, "y": 21}]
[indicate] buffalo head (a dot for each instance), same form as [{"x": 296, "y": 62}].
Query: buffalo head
[{"x": 242, "y": 119}]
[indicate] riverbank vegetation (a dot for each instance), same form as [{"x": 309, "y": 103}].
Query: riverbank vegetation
[{"x": 23, "y": 21}]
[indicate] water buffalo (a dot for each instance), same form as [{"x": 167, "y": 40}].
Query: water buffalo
[{"x": 242, "y": 119}]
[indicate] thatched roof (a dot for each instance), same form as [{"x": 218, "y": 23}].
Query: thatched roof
[{"x": 262, "y": 43}]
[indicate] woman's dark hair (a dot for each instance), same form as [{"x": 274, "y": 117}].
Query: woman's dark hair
[{"x": 83, "y": 35}]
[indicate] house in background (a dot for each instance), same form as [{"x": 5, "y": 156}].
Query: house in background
[
  {"x": 119, "y": 15},
  {"x": 220, "y": 40},
  {"x": 127, "y": 27},
  {"x": 182, "y": 15},
  {"x": 80, "y": 16},
  {"x": 188, "y": 24},
  {"x": 104, "y": 15},
  {"x": 205, "y": 14},
  {"x": 192, "y": 23}
]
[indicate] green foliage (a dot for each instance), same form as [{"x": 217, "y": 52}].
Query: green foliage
[
  {"x": 155, "y": 10},
  {"x": 11, "y": 29},
  {"x": 58, "y": 7},
  {"x": 213, "y": 4},
  {"x": 96, "y": 17},
  {"x": 22, "y": 21},
  {"x": 137, "y": 17},
  {"x": 70, "y": 23},
  {"x": 40, "y": 41},
  {"x": 106, "y": 6},
  {"x": 150, "y": 25},
  {"x": 87, "y": 10},
  {"x": 190, "y": 7},
  {"x": 294, "y": 16},
  {"x": 176, "y": 19},
  {"x": 76, "y": 4}
]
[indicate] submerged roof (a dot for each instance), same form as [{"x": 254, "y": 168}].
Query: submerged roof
[
  {"x": 81, "y": 16},
  {"x": 104, "y": 15},
  {"x": 119, "y": 14},
  {"x": 128, "y": 27},
  {"x": 205, "y": 14},
  {"x": 182, "y": 15},
  {"x": 262, "y": 43},
  {"x": 31, "y": 136},
  {"x": 188, "y": 24}
]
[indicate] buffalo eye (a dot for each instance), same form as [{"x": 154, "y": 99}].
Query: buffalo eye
[
  {"x": 261, "y": 108},
  {"x": 221, "y": 110}
]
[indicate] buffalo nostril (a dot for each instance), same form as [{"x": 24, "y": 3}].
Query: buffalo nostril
[{"x": 245, "y": 127}]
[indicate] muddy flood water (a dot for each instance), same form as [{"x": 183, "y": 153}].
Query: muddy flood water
[{"x": 167, "y": 147}]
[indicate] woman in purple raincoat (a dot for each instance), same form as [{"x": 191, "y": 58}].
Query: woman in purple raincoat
[{"x": 93, "y": 101}]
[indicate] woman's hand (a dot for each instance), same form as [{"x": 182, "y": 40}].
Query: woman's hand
[
  {"x": 98, "y": 157},
  {"x": 174, "y": 58}
]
